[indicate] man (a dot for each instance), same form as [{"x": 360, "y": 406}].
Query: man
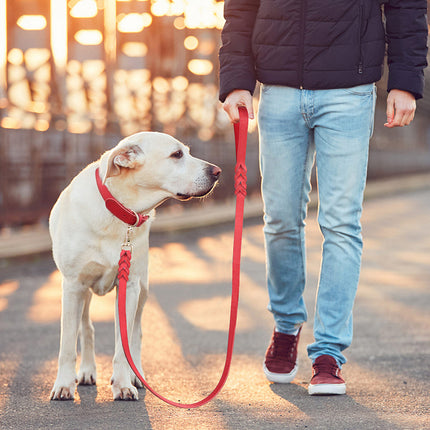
[{"x": 317, "y": 61}]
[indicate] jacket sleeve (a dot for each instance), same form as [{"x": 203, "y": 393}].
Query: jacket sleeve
[
  {"x": 236, "y": 59},
  {"x": 407, "y": 32}
]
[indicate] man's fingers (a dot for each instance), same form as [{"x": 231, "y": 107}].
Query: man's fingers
[
  {"x": 408, "y": 117},
  {"x": 232, "y": 111},
  {"x": 398, "y": 118},
  {"x": 400, "y": 108},
  {"x": 402, "y": 117},
  {"x": 390, "y": 112},
  {"x": 236, "y": 99}
]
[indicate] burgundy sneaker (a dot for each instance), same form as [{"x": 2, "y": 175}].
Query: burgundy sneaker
[
  {"x": 326, "y": 377},
  {"x": 280, "y": 364}
]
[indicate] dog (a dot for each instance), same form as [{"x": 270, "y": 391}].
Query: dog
[{"x": 141, "y": 172}]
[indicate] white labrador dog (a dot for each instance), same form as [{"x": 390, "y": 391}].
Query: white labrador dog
[{"x": 141, "y": 172}]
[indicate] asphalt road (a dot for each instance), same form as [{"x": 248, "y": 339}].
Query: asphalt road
[{"x": 185, "y": 333}]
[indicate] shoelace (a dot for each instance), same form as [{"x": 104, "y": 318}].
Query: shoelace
[
  {"x": 283, "y": 346},
  {"x": 329, "y": 368}
]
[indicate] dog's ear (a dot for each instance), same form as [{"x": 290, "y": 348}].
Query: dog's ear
[{"x": 127, "y": 157}]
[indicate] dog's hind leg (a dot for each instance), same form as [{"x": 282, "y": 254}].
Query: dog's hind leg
[
  {"x": 87, "y": 372},
  {"x": 71, "y": 314}
]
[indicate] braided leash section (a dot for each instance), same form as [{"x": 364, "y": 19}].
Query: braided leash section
[
  {"x": 240, "y": 179},
  {"x": 124, "y": 265}
]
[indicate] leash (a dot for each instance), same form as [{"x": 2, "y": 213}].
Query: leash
[{"x": 240, "y": 131}]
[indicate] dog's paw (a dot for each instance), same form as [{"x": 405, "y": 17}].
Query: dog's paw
[
  {"x": 87, "y": 376},
  {"x": 136, "y": 381},
  {"x": 124, "y": 393},
  {"x": 63, "y": 391}
]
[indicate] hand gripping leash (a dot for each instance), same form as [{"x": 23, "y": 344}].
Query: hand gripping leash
[{"x": 240, "y": 131}]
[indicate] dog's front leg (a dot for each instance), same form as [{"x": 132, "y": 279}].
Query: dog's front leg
[
  {"x": 71, "y": 313},
  {"x": 122, "y": 388},
  {"x": 87, "y": 374}
]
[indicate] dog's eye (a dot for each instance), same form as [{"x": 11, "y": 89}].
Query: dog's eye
[{"x": 177, "y": 154}]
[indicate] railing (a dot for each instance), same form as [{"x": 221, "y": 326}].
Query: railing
[{"x": 78, "y": 75}]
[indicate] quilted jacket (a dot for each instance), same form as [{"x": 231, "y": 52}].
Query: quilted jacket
[{"x": 323, "y": 44}]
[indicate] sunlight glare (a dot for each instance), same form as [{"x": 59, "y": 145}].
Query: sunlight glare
[
  {"x": 6, "y": 289},
  {"x": 212, "y": 314},
  {"x": 46, "y": 307},
  {"x": 102, "y": 308},
  {"x": 9, "y": 368},
  {"x": 174, "y": 262},
  {"x": 59, "y": 33}
]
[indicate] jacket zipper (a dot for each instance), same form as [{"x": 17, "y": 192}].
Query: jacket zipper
[
  {"x": 360, "y": 25},
  {"x": 302, "y": 42}
]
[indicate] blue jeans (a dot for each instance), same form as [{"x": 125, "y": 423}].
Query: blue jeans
[{"x": 334, "y": 126}]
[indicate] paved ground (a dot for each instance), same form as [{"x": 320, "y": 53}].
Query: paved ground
[{"x": 185, "y": 331}]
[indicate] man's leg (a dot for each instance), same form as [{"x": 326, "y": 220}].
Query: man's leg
[
  {"x": 286, "y": 156},
  {"x": 343, "y": 126}
]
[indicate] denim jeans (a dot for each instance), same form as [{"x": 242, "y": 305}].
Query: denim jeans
[{"x": 334, "y": 127}]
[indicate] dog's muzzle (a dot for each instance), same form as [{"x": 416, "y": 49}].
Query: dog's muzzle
[{"x": 213, "y": 174}]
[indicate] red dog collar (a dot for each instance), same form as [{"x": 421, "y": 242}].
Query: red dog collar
[{"x": 118, "y": 209}]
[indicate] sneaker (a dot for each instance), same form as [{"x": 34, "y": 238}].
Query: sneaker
[
  {"x": 280, "y": 364},
  {"x": 326, "y": 377}
]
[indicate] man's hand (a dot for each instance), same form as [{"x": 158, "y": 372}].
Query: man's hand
[
  {"x": 401, "y": 107},
  {"x": 236, "y": 99}
]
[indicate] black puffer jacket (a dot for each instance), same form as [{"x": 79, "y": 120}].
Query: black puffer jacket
[{"x": 322, "y": 44}]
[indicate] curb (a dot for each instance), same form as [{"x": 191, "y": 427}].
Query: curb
[{"x": 35, "y": 240}]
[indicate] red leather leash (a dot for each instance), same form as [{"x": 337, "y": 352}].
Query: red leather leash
[{"x": 240, "y": 130}]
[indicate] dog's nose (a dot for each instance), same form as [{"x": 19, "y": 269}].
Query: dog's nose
[{"x": 216, "y": 171}]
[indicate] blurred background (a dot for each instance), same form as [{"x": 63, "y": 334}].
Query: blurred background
[{"x": 78, "y": 75}]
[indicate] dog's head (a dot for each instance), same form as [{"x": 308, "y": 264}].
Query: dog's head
[{"x": 160, "y": 165}]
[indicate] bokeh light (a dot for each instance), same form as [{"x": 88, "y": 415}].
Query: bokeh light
[
  {"x": 89, "y": 37},
  {"x": 32, "y": 22},
  {"x": 84, "y": 9},
  {"x": 191, "y": 43},
  {"x": 200, "y": 67}
]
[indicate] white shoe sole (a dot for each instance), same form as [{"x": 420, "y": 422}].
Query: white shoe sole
[
  {"x": 326, "y": 389},
  {"x": 280, "y": 378}
]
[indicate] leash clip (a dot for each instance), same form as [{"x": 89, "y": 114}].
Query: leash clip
[{"x": 127, "y": 242}]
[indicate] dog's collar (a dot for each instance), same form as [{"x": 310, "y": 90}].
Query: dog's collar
[{"x": 126, "y": 215}]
